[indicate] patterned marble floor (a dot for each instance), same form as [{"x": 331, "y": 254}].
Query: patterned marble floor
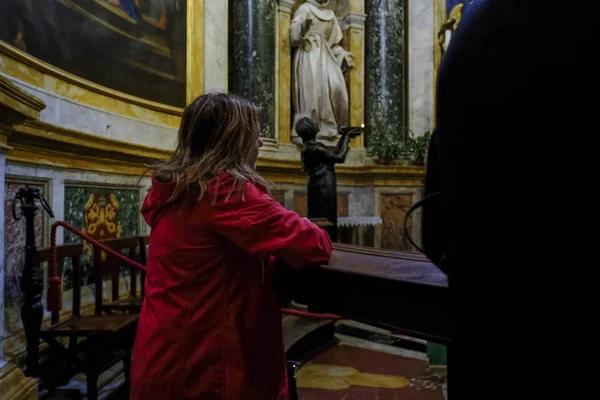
[
  {"x": 359, "y": 369},
  {"x": 368, "y": 363}
]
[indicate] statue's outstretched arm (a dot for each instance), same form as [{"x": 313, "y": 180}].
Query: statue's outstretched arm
[{"x": 338, "y": 155}]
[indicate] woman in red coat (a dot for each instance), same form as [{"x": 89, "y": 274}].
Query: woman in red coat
[{"x": 210, "y": 326}]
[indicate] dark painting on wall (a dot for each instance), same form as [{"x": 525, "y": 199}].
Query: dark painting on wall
[{"x": 137, "y": 47}]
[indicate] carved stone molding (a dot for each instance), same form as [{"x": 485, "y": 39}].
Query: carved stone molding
[
  {"x": 286, "y": 5},
  {"x": 16, "y": 106},
  {"x": 355, "y": 20}
]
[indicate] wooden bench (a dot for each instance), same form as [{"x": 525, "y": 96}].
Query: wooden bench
[
  {"x": 111, "y": 266},
  {"x": 95, "y": 342}
]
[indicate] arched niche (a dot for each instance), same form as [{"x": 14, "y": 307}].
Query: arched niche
[{"x": 350, "y": 16}]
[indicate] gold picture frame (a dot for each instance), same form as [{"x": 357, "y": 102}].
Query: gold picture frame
[{"x": 33, "y": 67}]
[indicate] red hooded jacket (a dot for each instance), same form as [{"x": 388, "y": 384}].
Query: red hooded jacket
[{"x": 210, "y": 326}]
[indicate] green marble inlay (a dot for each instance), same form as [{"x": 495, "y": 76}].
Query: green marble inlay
[
  {"x": 129, "y": 202},
  {"x": 437, "y": 354},
  {"x": 252, "y": 56},
  {"x": 385, "y": 40},
  {"x": 127, "y": 199}
]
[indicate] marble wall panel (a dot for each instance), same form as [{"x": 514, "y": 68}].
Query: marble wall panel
[
  {"x": 385, "y": 69},
  {"x": 394, "y": 207},
  {"x": 71, "y": 114},
  {"x": 14, "y": 241},
  {"x": 420, "y": 65},
  {"x": 101, "y": 212}
]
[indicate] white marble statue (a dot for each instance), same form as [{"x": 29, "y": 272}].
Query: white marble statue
[{"x": 319, "y": 88}]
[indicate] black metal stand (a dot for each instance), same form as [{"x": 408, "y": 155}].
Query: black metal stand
[
  {"x": 292, "y": 367},
  {"x": 32, "y": 282}
]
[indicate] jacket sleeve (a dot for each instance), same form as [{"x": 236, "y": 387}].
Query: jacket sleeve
[{"x": 262, "y": 227}]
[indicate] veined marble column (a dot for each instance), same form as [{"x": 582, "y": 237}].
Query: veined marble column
[
  {"x": 421, "y": 64},
  {"x": 215, "y": 46},
  {"x": 252, "y": 55},
  {"x": 385, "y": 65}
]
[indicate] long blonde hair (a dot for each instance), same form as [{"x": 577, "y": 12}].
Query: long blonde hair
[{"x": 218, "y": 134}]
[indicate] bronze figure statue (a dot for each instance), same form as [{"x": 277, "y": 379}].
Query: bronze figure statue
[{"x": 319, "y": 162}]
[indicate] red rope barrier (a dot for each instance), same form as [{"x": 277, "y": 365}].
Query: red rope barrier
[{"x": 55, "y": 282}]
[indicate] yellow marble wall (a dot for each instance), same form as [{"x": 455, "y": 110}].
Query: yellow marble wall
[
  {"x": 285, "y": 73},
  {"x": 439, "y": 17},
  {"x": 4, "y": 147},
  {"x": 18, "y": 102},
  {"x": 357, "y": 6},
  {"x": 195, "y": 49},
  {"x": 354, "y": 41}
]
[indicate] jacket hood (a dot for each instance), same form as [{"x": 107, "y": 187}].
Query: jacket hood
[{"x": 157, "y": 199}]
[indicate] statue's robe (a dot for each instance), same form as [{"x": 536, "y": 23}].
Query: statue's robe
[{"x": 319, "y": 88}]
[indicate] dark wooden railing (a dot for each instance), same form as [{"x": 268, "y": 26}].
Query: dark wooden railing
[{"x": 99, "y": 341}]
